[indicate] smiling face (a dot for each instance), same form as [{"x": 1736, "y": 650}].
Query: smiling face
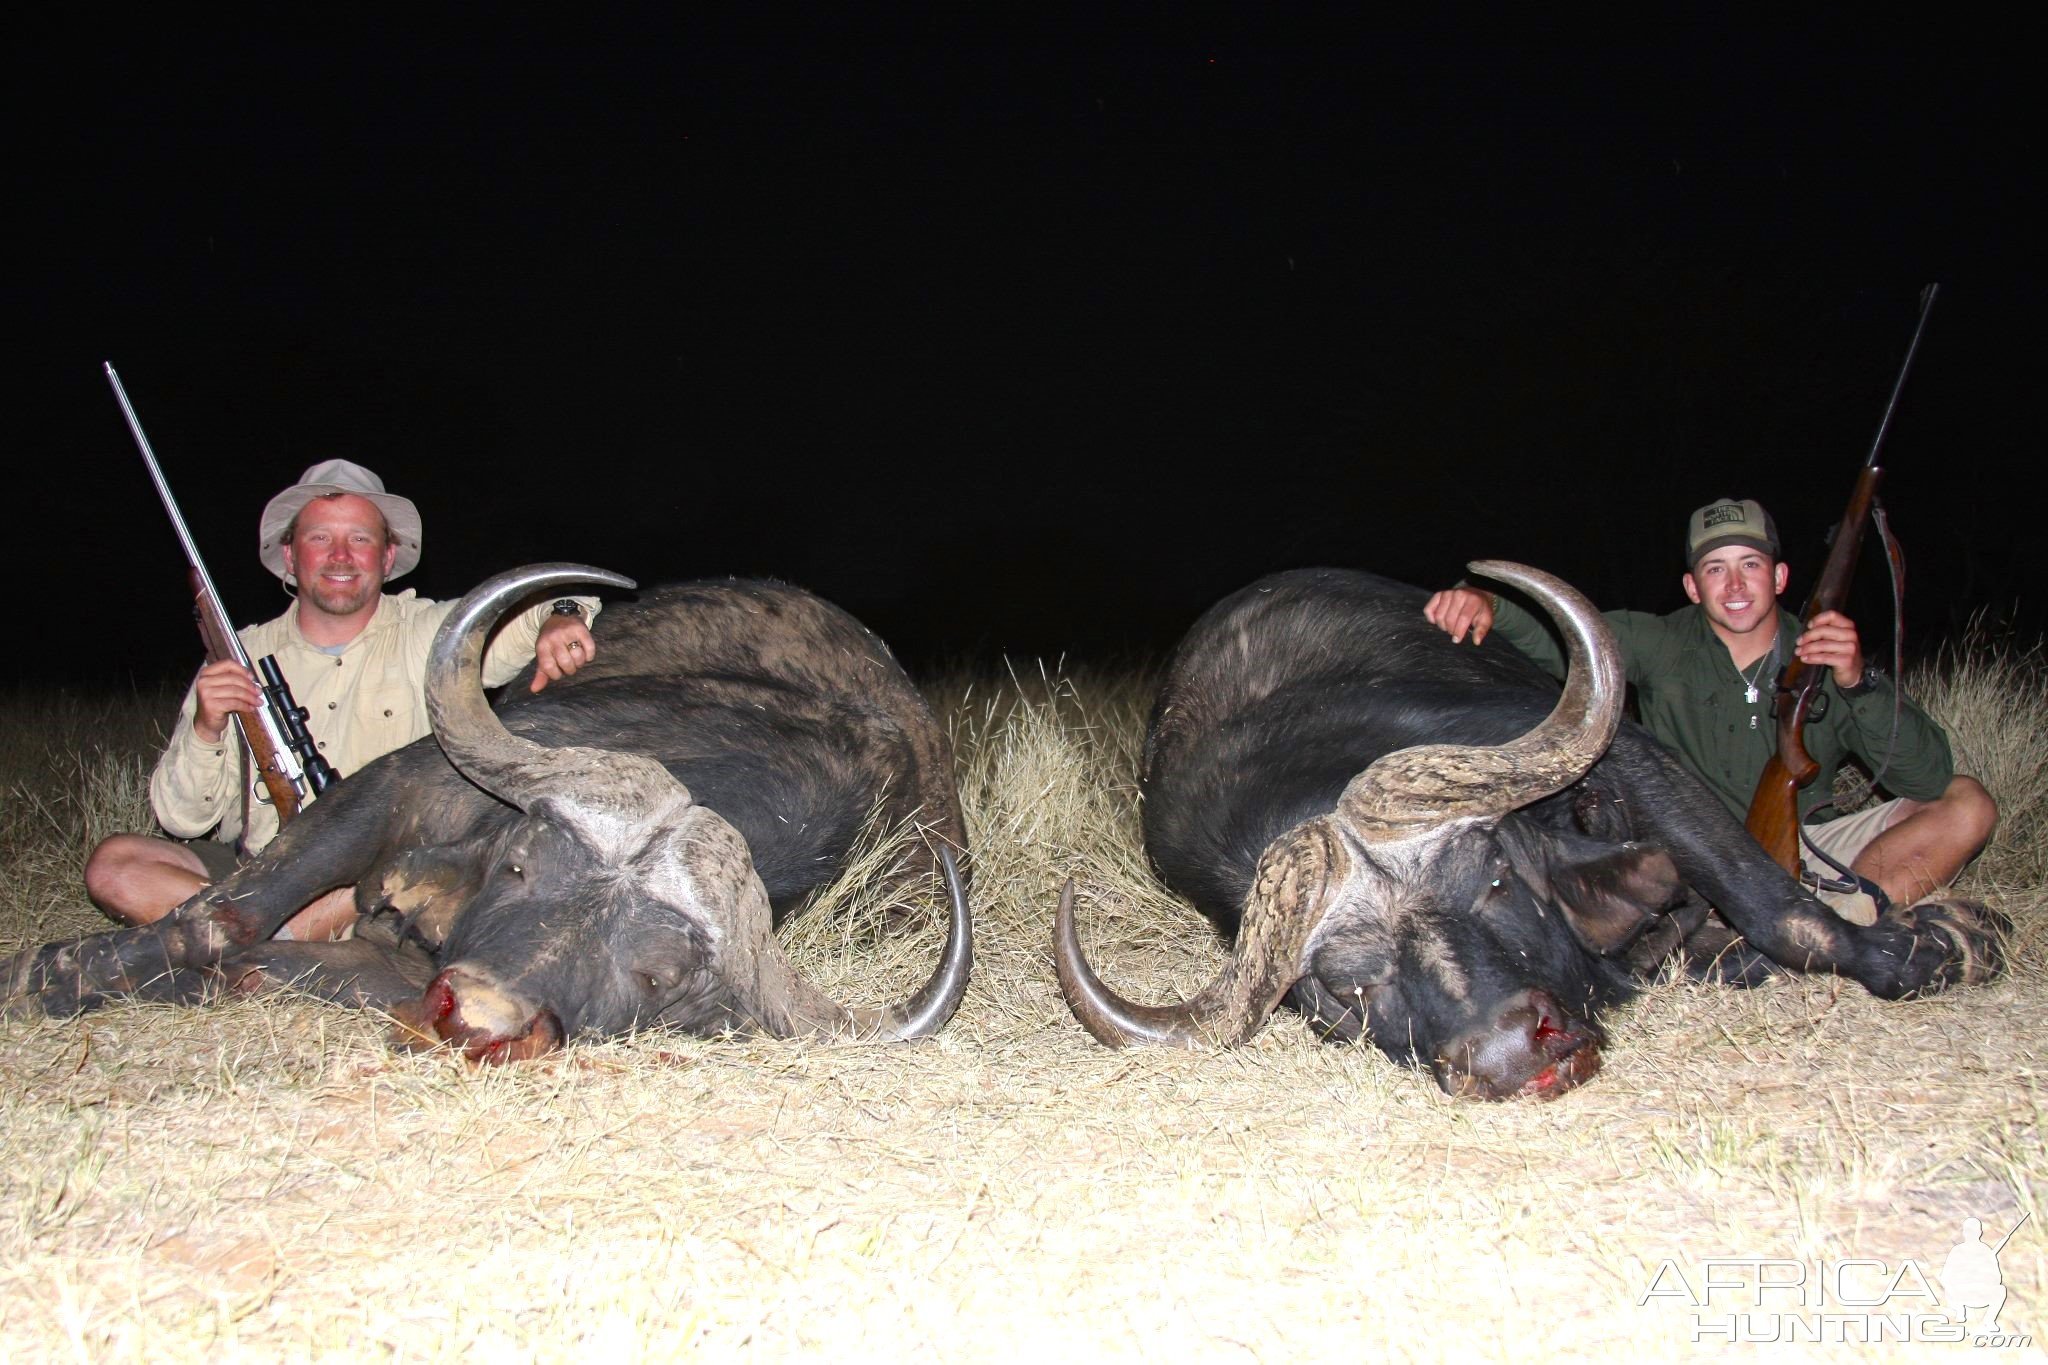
[
  {"x": 1738, "y": 586},
  {"x": 340, "y": 551}
]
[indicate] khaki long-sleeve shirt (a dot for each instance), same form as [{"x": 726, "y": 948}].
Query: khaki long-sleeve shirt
[{"x": 362, "y": 700}]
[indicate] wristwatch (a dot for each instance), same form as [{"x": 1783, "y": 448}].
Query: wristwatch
[
  {"x": 1871, "y": 675},
  {"x": 567, "y": 606}
]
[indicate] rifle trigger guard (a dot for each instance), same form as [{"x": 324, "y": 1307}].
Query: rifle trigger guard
[{"x": 1814, "y": 712}]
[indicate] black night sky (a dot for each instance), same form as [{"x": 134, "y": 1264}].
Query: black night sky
[{"x": 1026, "y": 334}]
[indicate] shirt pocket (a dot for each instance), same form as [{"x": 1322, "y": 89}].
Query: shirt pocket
[{"x": 385, "y": 712}]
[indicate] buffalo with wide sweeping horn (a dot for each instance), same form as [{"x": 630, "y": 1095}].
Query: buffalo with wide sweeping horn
[
  {"x": 611, "y": 853},
  {"x": 1427, "y": 845}
]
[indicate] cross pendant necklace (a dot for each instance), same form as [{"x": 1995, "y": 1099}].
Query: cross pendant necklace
[{"x": 1753, "y": 677}]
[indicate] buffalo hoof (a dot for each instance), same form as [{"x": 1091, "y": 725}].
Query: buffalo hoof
[
  {"x": 1969, "y": 936},
  {"x": 17, "y": 991},
  {"x": 41, "y": 982}
]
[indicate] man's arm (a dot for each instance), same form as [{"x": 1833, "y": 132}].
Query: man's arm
[
  {"x": 194, "y": 784},
  {"x": 1647, "y": 642},
  {"x": 557, "y": 644},
  {"x": 1919, "y": 763},
  {"x": 1463, "y": 610}
]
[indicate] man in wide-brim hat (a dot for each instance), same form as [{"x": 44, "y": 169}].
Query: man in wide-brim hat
[{"x": 355, "y": 657}]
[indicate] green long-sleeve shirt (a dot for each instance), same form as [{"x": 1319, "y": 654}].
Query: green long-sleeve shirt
[{"x": 1691, "y": 697}]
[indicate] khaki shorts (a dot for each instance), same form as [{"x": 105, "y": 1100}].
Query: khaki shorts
[
  {"x": 1847, "y": 837},
  {"x": 217, "y": 858}
]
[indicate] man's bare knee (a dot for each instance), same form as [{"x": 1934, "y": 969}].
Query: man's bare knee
[
  {"x": 135, "y": 879},
  {"x": 104, "y": 867},
  {"x": 1973, "y": 810}
]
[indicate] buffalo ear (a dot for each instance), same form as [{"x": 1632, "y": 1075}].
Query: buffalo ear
[
  {"x": 1608, "y": 900},
  {"x": 1607, "y": 892}
]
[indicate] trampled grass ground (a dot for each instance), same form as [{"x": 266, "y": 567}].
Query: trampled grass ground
[{"x": 267, "y": 1180}]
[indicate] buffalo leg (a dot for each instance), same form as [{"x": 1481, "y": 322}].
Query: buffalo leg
[
  {"x": 247, "y": 906},
  {"x": 362, "y": 972},
  {"x": 1718, "y": 954},
  {"x": 1914, "y": 950}
]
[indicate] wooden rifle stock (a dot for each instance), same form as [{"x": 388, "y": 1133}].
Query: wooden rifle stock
[
  {"x": 1774, "y": 814},
  {"x": 1774, "y": 808},
  {"x": 222, "y": 643}
]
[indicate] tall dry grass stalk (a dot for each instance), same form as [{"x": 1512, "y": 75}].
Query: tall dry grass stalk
[
  {"x": 265, "y": 1180},
  {"x": 73, "y": 769},
  {"x": 1992, "y": 696}
]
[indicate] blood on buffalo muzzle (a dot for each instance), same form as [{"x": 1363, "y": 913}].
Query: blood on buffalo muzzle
[
  {"x": 475, "y": 1017},
  {"x": 1533, "y": 1049}
]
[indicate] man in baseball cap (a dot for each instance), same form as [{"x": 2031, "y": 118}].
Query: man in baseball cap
[
  {"x": 1705, "y": 677},
  {"x": 1726, "y": 521},
  {"x": 355, "y": 658}
]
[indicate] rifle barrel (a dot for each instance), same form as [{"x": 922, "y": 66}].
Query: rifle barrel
[
  {"x": 262, "y": 730},
  {"x": 1912, "y": 348},
  {"x": 1774, "y": 807},
  {"x": 163, "y": 492}
]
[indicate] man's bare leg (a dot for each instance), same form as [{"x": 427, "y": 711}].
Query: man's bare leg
[
  {"x": 1925, "y": 849},
  {"x": 137, "y": 879},
  {"x": 332, "y": 916}
]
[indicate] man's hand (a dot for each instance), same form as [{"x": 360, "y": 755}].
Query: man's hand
[
  {"x": 563, "y": 646},
  {"x": 1459, "y": 610},
  {"x": 1831, "y": 642},
  {"x": 222, "y": 688}
]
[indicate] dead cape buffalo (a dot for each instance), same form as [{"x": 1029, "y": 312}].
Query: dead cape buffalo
[
  {"x": 608, "y": 854},
  {"x": 1402, "y": 844}
]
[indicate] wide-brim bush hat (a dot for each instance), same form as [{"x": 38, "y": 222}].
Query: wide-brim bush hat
[{"x": 324, "y": 480}]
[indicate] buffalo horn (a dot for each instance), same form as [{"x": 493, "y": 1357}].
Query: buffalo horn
[
  {"x": 1289, "y": 895},
  {"x": 509, "y": 767},
  {"x": 1404, "y": 793},
  {"x": 786, "y": 1003}
]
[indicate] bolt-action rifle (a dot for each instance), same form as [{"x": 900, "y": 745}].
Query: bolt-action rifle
[
  {"x": 1774, "y": 809},
  {"x": 288, "y": 762}
]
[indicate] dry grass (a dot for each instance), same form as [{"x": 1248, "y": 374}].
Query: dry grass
[
  {"x": 1994, "y": 696},
  {"x": 266, "y": 1180}
]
